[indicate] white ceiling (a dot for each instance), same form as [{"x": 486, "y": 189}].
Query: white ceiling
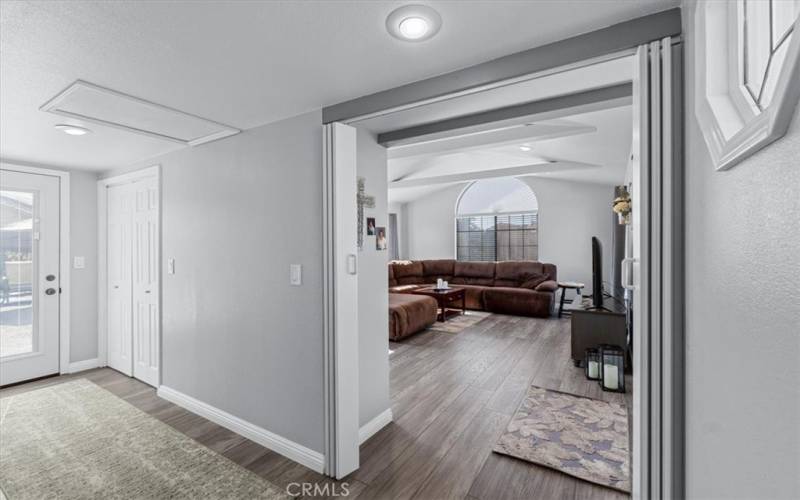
[
  {"x": 243, "y": 63},
  {"x": 594, "y": 148}
]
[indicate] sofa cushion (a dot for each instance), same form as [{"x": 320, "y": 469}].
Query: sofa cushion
[
  {"x": 409, "y": 314},
  {"x": 473, "y": 273},
  {"x": 438, "y": 269},
  {"x": 515, "y": 272},
  {"x": 392, "y": 281},
  {"x": 547, "y": 286},
  {"x": 405, "y": 288},
  {"x": 473, "y": 297},
  {"x": 533, "y": 280},
  {"x": 518, "y": 301},
  {"x": 408, "y": 272}
]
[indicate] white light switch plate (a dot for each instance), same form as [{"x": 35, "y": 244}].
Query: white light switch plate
[
  {"x": 79, "y": 262},
  {"x": 295, "y": 274},
  {"x": 170, "y": 266}
]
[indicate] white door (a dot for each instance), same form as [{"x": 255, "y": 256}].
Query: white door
[
  {"x": 341, "y": 299},
  {"x": 29, "y": 290},
  {"x": 120, "y": 283},
  {"x": 145, "y": 281},
  {"x": 133, "y": 279}
]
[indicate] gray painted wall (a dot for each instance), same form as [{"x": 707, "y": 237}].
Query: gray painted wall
[
  {"x": 235, "y": 214},
  {"x": 373, "y": 294},
  {"x": 83, "y": 242},
  {"x": 570, "y": 213},
  {"x": 742, "y": 310}
]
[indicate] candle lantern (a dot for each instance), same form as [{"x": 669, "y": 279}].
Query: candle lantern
[
  {"x": 592, "y": 361},
  {"x": 612, "y": 368}
]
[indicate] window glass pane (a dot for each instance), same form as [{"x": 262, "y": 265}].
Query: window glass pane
[
  {"x": 775, "y": 65},
  {"x": 784, "y": 13},
  {"x": 16, "y": 273},
  {"x": 492, "y": 196},
  {"x": 757, "y": 46}
]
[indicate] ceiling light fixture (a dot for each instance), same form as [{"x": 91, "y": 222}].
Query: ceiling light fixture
[
  {"x": 413, "y": 23},
  {"x": 72, "y": 129},
  {"x": 525, "y": 148}
]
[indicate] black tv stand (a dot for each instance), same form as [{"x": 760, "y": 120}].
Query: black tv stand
[{"x": 593, "y": 325}]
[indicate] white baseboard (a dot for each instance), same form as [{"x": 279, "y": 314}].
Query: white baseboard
[
  {"x": 86, "y": 364},
  {"x": 373, "y": 426},
  {"x": 279, "y": 444}
]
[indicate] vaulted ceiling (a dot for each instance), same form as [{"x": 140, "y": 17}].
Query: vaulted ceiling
[{"x": 243, "y": 63}]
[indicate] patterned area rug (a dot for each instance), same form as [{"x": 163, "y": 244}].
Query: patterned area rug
[
  {"x": 582, "y": 437},
  {"x": 461, "y": 322},
  {"x": 77, "y": 440}
]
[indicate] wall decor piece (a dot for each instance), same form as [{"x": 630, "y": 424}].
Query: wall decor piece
[
  {"x": 362, "y": 200},
  {"x": 747, "y": 65},
  {"x": 380, "y": 238},
  {"x": 622, "y": 204},
  {"x": 370, "y": 226}
]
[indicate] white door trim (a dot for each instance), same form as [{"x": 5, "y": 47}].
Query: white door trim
[
  {"x": 64, "y": 252},
  {"x": 102, "y": 256}
]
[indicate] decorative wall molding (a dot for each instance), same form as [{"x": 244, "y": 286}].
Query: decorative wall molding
[
  {"x": 373, "y": 426},
  {"x": 279, "y": 444},
  {"x": 733, "y": 124},
  {"x": 86, "y": 364}
]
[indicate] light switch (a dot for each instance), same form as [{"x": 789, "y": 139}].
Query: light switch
[
  {"x": 170, "y": 266},
  {"x": 295, "y": 274},
  {"x": 79, "y": 262}
]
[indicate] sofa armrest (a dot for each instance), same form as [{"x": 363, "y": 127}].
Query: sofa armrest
[{"x": 547, "y": 286}]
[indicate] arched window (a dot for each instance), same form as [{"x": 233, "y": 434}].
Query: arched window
[{"x": 497, "y": 219}]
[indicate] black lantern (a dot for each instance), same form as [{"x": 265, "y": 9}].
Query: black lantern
[
  {"x": 592, "y": 361},
  {"x": 612, "y": 368}
]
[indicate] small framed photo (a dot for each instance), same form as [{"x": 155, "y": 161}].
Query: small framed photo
[
  {"x": 370, "y": 226},
  {"x": 380, "y": 238}
]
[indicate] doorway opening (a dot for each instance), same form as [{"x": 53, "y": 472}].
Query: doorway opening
[{"x": 428, "y": 152}]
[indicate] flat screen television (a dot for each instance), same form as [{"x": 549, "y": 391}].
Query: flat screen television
[{"x": 597, "y": 273}]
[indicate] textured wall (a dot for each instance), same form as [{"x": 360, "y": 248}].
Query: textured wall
[
  {"x": 83, "y": 242},
  {"x": 742, "y": 316}
]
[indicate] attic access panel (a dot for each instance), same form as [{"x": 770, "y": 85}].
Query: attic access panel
[{"x": 93, "y": 103}]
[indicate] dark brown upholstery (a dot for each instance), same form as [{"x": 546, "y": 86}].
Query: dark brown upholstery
[
  {"x": 525, "y": 288},
  {"x": 409, "y": 314},
  {"x": 517, "y": 301},
  {"x": 407, "y": 272},
  {"x": 438, "y": 269},
  {"x": 473, "y": 273}
]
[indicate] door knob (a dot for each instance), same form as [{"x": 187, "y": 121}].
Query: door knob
[
  {"x": 50, "y": 291},
  {"x": 50, "y": 277}
]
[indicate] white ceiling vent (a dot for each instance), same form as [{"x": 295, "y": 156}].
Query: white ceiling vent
[{"x": 92, "y": 103}]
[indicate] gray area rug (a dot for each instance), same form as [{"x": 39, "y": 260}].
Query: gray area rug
[
  {"x": 77, "y": 440},
  {"x": 582, "y": 437},
  {"x": 461, "y": 322}
]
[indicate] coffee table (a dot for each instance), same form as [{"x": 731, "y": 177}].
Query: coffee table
[{"x": 444, "y": 299}]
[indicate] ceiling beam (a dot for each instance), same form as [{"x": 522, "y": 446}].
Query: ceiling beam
[
  {"x": 479, "y": 140},
  {"x": 538, "y": 168},
  {"x": 615, "y": 38},
  {"x": 553, "y": 107}
]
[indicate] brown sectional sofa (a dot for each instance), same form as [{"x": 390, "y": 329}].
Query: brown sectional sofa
[{"x": 524, "y": 288}]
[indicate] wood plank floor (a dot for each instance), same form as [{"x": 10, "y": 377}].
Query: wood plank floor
[{"x": 452, "y": 395}]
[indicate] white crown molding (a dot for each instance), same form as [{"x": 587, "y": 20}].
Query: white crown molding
[
  {"x": 279, "y": 444},
  {"x": 372, "y": 427},
  {"x": 716, "y": 110}
]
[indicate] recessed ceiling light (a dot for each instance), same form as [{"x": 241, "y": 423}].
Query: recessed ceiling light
[
  {"x": 525, "y": 148},
  {"x": 413, "y": 23},
  {"x": 72, "y": 129}
]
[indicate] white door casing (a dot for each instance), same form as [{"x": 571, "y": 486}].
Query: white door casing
[{"x": 40, "y": 355}]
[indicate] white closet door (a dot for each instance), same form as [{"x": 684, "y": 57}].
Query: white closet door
[
  {"x": 145, "y": 282},
  {"x": 120, "y": 334}
]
